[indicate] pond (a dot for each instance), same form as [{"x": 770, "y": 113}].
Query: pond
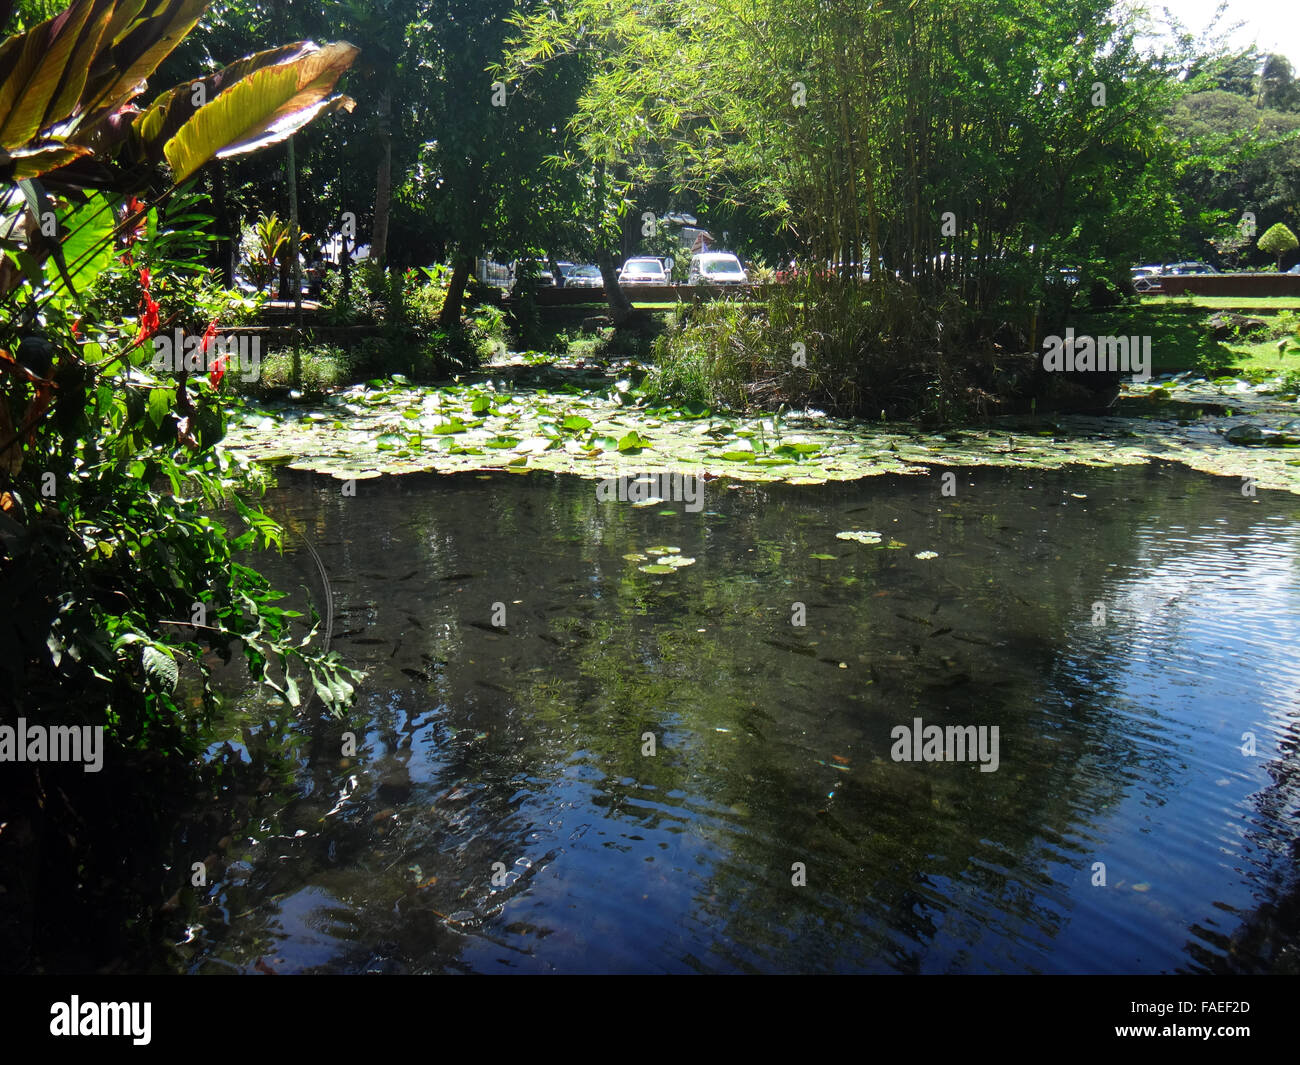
[{"x": 565, "y": 763}]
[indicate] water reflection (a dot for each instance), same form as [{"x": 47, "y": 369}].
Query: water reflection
[{"x": 501, "y": 812}]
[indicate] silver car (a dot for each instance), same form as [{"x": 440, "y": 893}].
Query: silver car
[{"x": 581, "y": 276}]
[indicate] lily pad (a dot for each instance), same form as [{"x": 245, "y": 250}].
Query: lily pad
[
  {"x": 862, "y": 537},
  {"x": 656, "y": 567}
]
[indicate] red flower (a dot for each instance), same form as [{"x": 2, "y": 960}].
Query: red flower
[
  {"x": 219, "y": 367},
  {"x": 148, "y": 309}
]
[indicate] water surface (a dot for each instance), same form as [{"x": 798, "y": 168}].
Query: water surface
[{"x": 501, "y": 814}]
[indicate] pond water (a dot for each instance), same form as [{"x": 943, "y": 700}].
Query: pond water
[{"x": 1122, "y": 629}]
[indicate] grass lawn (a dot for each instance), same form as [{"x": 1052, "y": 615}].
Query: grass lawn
[
  {"x": 1181, "y": 341},
  {"x": 1255, "y": 304}
]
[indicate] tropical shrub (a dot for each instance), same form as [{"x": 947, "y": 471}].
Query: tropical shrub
[
  {"x": 119, "y": 578},
  {"x": 842, "y": 346}
]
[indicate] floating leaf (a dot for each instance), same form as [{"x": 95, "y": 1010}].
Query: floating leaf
[
  {"x": 926, "y": 554},
  {"x": 656, "y": 568},
  {"x": 860, "y": 536}
]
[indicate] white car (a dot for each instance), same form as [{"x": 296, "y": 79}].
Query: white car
[
  {"x": 716, "y": 268},
  {"x": 642, "y": 272}
]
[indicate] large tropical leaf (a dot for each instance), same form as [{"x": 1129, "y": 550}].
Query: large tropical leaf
[
  {"x": 24, "y": 163},
  {"x": 86, "y": 233},
  {"x": 140, "y": 37},
  {"x": 172, "y": 108},
  {"x": 43, "y": 71},
  {"x": 263, "y": 108},
  {"x": 64, "y": 82}
]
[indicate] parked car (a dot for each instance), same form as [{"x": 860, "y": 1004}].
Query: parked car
[
  {"x": 534, "y": 270},
  {"x": 1147, "y": 278},
  {"x": 642, "y": 272},
  {"x": 582, "y": 275},
  {"x": 716, "y": 268},
  {"x": 1295, "y": 269},
  {"x": 1179, "y": 269}
]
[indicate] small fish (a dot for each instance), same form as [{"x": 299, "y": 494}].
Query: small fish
[
  {"x": 941, "y": 632},
  {"x": 368, "y": 640}
]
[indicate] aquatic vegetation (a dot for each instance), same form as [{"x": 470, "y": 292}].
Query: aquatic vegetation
[{"x": 388, "y": 426}]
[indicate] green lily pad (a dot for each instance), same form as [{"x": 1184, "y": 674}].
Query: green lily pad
[{"x": 656, "y": 568}]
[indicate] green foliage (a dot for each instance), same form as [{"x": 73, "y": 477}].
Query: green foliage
[
  {"x": 121, "y": 520},
  {"x": 859, "y": 128},
  {"x": 324, "y": 367},
  {"x": 847, "y": 348},
  {"x": 1277, "y": 241}
]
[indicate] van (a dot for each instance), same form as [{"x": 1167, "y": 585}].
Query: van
[{"x": 716, "y": 268}]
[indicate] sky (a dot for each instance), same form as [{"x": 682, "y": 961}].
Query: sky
[{"x": 1273, "y": 24}]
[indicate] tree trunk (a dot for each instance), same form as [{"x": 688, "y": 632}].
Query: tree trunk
[
  {"x": 383, "y": 180},
  {"x": 620, "y": 307},
  {"x": 449, "y": 316},
  {"x": 296, "y": 266},
  {"x": 227, "y": 241}
]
